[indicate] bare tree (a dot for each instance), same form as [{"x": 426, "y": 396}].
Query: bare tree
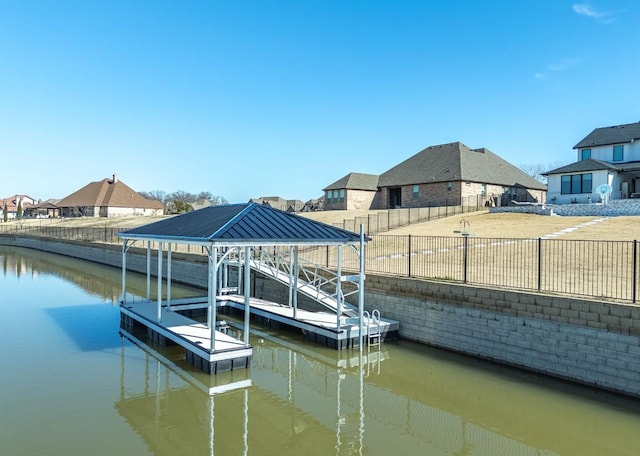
[
  {"x": 158, "y": 195},
  {"x": 537, "y": 170}
]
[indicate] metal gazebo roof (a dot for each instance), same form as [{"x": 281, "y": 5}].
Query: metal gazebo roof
[{"x": 248, "y": 223}]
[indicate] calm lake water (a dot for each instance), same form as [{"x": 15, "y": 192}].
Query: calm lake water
[{"x": 72, "y": 385}]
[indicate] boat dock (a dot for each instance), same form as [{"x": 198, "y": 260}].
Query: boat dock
[
  {"x": 237, "y": 239},
  {"x": 173, "y": 328}
]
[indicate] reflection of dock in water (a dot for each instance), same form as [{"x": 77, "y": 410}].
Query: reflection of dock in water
[{"x": 294, "y": 393}]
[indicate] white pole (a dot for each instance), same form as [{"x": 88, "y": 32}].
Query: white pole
[
  {"x": 209, "y": 287},
  {"x": 169, "y": 277},
  {"x": 247, "y": 293},
  {"x": 159, "y": 315},
  {"x": 291, "y": 266},
  {"x": 213, "y": 295},
  {"x": 361, "y": 287},
  {"x": 148, "y": 270},
  {"x": 339, "y": 288},
  {"x": 124, "y": 272},
  {"x": 295, "y": 282}
]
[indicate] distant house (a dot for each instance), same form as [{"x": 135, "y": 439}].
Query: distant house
[
  {"x": 43, "y": 209},
  {"x": 279, "y": 203},
  {"x": 606, "y": 156},
  {"x": 13, "y": 203},
  {"x": 439, "y": 175},
  {"x": 314, "y": 204},
  {"x": 108, "y": 198},
  {"x": 200, "y": 203},
  {"x": 352, "y": 192}
]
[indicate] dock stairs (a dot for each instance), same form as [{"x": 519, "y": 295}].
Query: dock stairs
[{"x": 316, "y": 282}]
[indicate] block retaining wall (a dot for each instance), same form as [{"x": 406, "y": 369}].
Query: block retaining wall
[{"x": 590, "y": 342}]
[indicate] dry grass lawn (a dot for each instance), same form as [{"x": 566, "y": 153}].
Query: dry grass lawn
[
  {"x": 511, "y": 225},
  {"x": 478, "y": 224}
]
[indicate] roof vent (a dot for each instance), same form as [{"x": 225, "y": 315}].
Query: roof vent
[{"x": 115, "y": 179}]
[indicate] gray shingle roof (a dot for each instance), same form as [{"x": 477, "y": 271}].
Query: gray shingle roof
[
  {"x": 616, "y": 134},
  {"x": 249, "y": 223},
  {"x": 355, "y": 181},
  {"x": 457, "y": 162},
  {"x": 583, "y": 166}
]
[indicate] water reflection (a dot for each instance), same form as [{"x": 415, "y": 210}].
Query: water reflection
[
  {"x": 118, "y": 395},
  {"x": 294, "y": 398},
  {"x": 96, "y": 279}
]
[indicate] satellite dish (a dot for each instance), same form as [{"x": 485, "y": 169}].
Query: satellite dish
[{"x": 604, "y": 188}]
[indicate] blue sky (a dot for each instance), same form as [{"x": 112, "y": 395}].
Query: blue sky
[{"x": 261, "y": 98}]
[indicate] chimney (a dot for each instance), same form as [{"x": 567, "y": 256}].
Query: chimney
[{"x": 115, "y": 179}]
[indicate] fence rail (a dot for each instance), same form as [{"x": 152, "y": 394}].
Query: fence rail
[
  {"x": 395, "y": 218},
  {"x": 599, "y": 269}
]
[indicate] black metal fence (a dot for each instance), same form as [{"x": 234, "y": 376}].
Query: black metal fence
[
  {"x": 389, "y": 219},
  {"x": 598, "y": 269},
  {"x": 80, "y": 233}
]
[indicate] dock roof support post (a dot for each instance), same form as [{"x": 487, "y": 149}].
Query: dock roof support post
[
  {"x": 339, "y": 288},
  {"x": 213, "y": 293},
  {"x": 361, "y": 287},
  {"x": 148, "y": 270},
  {"x": 290, "y": 277},
  {"x": 295, "y": 282},
  {"x": 124, "y": 272},
  {"x": 247, "y": 292},
  {"x": 239, "y": 284},
  {"x": 159, "y": 314},
  {"x": 169, "y": 276}
]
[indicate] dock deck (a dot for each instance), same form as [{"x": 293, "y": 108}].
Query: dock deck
[
  {"x": 228, "y": 353},
  {"x": 317, "y": 327}
]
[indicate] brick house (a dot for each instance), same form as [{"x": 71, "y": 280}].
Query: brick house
[
  {"x": 108, "y": 198},
  {"x": 354, "y": 191},
  {"x": 445, "y": 174}
]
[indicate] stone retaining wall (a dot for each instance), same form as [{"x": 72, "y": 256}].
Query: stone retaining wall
[
  {"x": 591, "y": 342},
  {"x": 615, "y": 208}
]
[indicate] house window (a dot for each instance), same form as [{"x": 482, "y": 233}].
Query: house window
[
  {"x": 416, "y": 191},
  {"x": 342, "y": 195},
  {"x": 484, "y": 190},
  {"x": 329, "y": 197},
  {"x": 576, "y": 183},
  {"x": 585, "y": 154},
  {"x": 449, "y": 186},
  {"x": 618, "y": 153}
]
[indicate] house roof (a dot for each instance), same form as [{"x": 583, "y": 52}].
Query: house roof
[
  {"x": 457, "y": 162},
  {"x": 247, "y": 224},
  {"x": 355, "y": 181},
  {"x": 583, "y": 166},
  {"x": 616, "y": 134},
  {"x": 279, "y": 203},
  {"x": 111, "y": 193},
  {"x": 12, "y": 202}
]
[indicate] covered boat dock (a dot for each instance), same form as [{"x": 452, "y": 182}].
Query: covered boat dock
[{"x": 235, "y": 237}]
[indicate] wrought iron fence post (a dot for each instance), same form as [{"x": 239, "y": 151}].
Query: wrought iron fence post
[
  {"x": 539, "y": 264},
  {"x": 635, "y": 271},
  {"x": 409, "y": 256},
  {"x": 465, "y": 257}
]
